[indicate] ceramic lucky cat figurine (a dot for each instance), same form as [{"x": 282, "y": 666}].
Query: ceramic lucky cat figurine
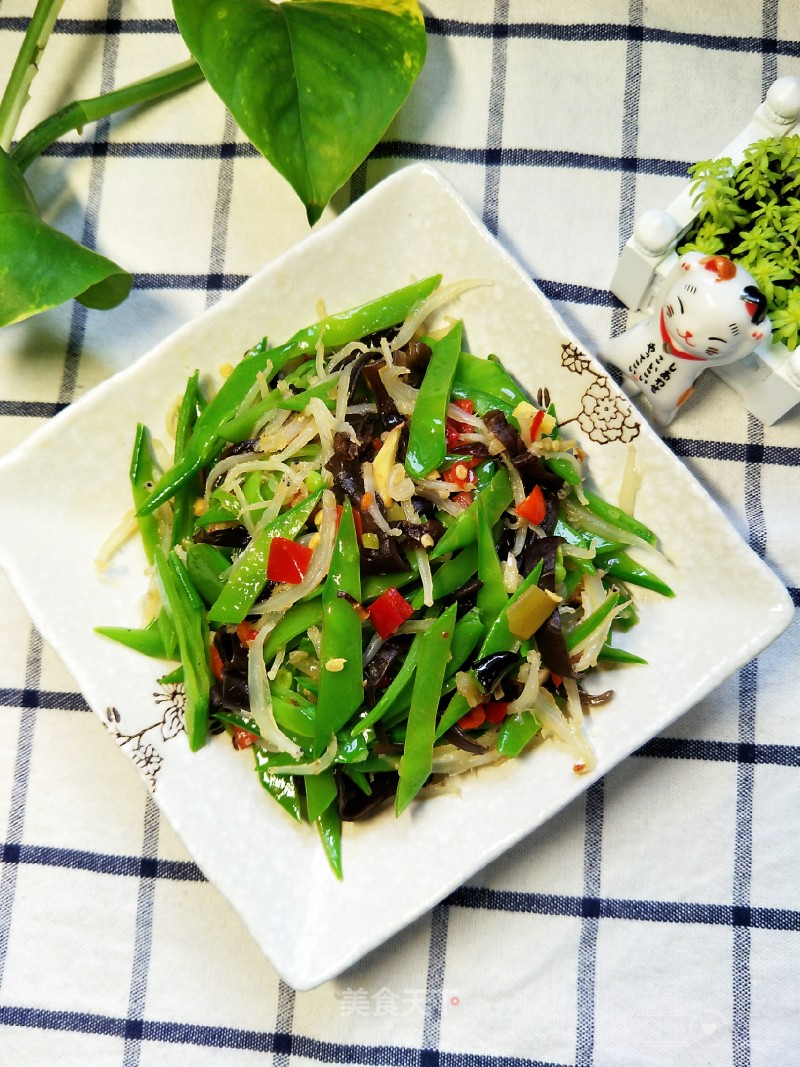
[{"x": 711, "y": 312}]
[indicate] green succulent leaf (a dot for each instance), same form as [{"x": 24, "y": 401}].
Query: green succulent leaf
[
  {"x": 312, "y": 83},
  {"x": 41, "y": 267}
]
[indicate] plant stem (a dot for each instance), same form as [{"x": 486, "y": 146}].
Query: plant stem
[
  {"x": 75, "y": 115},
  {"x": 25, "y": 67}
]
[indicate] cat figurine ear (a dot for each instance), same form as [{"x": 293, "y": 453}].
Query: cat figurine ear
[{"x": 710, "y": 312}]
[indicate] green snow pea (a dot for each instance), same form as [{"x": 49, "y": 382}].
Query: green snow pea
[
  {"x": 515, "y": 733},
  {"x": 142, "y": 477},
  {"x": 583, "y": 538},
  {"x": 249, "y": 573},
  {"x": 417, "y": 759},
  {"x": 320, "y": 793},
  {"x": 494, "y": 499},
  {"x": 240, "y": 427},
  {"x": 295, "y": 622},
  {"x": 574, "y": 636},
  {"x": 329, "y": 828},
  {"x": 564, "y": 469},
  {"x": 467, "y": 633},
  {"x": 395, "y": 690},
  {"x": 455, "y": 710},
  {"x": 620, "y": 565},
  {"x": 207, "y": 567},
  {"x": 619, "y": 518},
  {"x": 618, "y": 655},
  {"x": 489, "y": 377},
  {"x": 183, "y": 604},
  {"x": 335, "y": 331},
  {"x": 427, "y": 445},
  {"x": 492, "y": 595},
  {"x": 293, "y": 712},
  {"x": 148, "y": 640},
  {"x": 341, "y": 683},
  {"x": 452, "y": 574},
  {"x": 183, "y": 501},
  {"x": 281, "y": 787}
]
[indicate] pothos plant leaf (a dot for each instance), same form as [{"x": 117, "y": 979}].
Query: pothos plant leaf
[
  {"x": 312, "y": 83},
  {"x": 41, "y": 267}
]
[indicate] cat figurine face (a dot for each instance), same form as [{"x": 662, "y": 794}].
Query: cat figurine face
[
  {"x": 711, "y": 313},
  {"x": 712, "y": 310}
]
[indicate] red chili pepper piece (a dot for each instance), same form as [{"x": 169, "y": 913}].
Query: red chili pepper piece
[
  {"x": 246, "y": 633},
  {"x": 474, "y": 718},
  {"x": 216, "y": 663},
  {"x": 452, "y": 435},
  {"x": 389, "y": 611},
  {"x": 538, "y": 418},
  {"x": 453, "y": 429},
  {"x": 496, "y": 711},
  {"x": 462, "y": 473},
  {"x": 533, "y": 507},
  {"x": 288, "y": 561},
  {"x": 462, "y": 499},
  {"x": 242, "y": 738}
]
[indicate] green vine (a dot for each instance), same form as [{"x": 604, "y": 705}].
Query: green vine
[{"x": 751, "y": 213}]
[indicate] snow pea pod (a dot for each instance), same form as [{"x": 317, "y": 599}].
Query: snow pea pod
[
  {"x": 249, "y": 572},
  {"x": 295, "y": 622},
  {"x": 373, "y": 585},
  {"x": 494, "y": 499},
  {"x": 240, "y": 427},
  {"x": 142, "y": 476},
  {"x": 341, "y": 683},
  {"x": 329, "y": 828},
  {"x": 515, "y": 733},
  {"x": 335, "y": 330},
  {"x": 417, "y": 760},
  {"x": 620, "y": 565},
  {"x": 281, "y": 787},
  {"x": 486, "y": 376},
  {"x": 183, "y": 502},
  {"x": 467, "y": 634},
  {"x": 456, "y": 709},
  {"x": 577, "y": 634},
  {"x": 207, "y": 567},
  {"x": 619, "y": 518},
  {"x": 427, "y": 445},
  {"x": 320, "y": 793},
  {"x": 452, "y": 574},
  {"x": 612, "y": 654},
  {"x": 148, "y": 640},
  {"x": 492, "y": 595},
  {"x": 395, "y": 691},
  {"x": 192, "y": 643},
  {"x": 583, "y": 538}
]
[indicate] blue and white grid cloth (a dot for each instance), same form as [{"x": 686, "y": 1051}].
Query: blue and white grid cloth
[{"x": 654, "y": 923}]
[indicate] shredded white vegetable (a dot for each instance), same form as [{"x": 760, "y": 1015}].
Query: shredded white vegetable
[
  {"x": 270, "y": 734},
  {"x": 443, "y": 295},
  {"x": 316, "y": 766}
]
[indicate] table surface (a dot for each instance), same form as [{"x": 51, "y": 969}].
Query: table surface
[{"x": 655, "y": 921}]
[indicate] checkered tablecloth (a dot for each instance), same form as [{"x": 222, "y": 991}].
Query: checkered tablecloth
[{"x": 654, "y": 923}]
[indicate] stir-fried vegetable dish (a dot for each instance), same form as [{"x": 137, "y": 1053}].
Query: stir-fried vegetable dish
[{"x": 378, "y": 565}]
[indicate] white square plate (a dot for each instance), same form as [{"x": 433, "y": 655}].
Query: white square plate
[{"x": 66, "y": 488}]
